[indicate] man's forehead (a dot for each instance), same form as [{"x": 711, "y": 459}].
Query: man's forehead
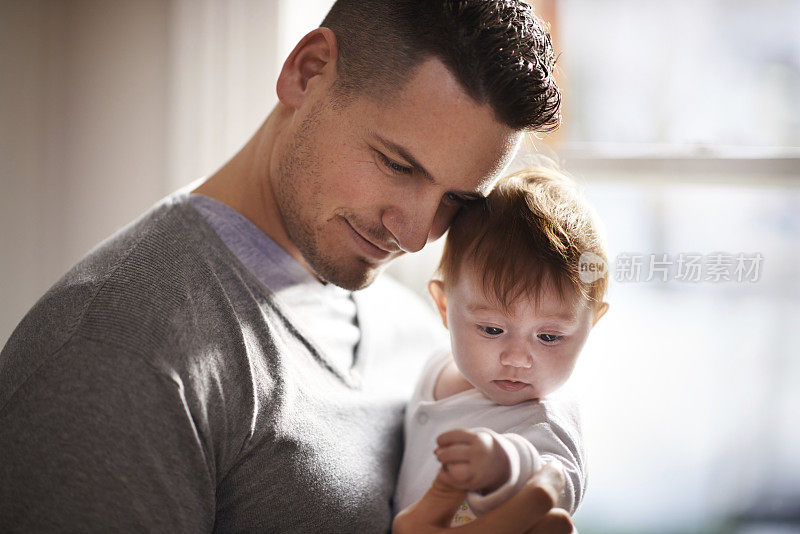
[
  {"x": 487, "y": 173},
  {"x": 509, "y": 150},
  {"x": 463, "y": 166},
  {"x": 455, "y": 138}
]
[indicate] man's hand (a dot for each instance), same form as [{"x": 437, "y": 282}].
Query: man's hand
[
  {"x": 530, "y": 511},
  {"x": 472, "y": 461}
]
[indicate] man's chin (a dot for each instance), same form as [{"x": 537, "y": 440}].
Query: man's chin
[{"x": 353, "y": 277}]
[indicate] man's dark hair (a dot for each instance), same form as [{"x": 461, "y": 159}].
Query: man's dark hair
[{"x": 498, "y": 50}]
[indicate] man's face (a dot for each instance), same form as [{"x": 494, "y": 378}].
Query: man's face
[
  {"x": 359, "y": 185},
  {"x": 519, "y": 354}
]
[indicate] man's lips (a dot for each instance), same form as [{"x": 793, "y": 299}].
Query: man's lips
[
  {"x": 370, "y": 249},
  {"x": 510, "y": 385}
]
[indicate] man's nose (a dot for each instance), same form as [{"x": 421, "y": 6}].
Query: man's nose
[
  {"x": 411, "y": 222},
  {"x": 517, "y": 356}
]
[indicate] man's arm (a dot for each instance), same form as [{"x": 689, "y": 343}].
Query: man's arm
[{"x": 96, "y": 441}]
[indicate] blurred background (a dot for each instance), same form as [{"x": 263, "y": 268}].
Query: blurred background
[{"x": 681, "y": 122}]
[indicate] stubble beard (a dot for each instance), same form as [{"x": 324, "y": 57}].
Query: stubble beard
[{"x": 300, "y": 183}]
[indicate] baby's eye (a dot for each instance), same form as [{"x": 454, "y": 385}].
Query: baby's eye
[
  {"x": 491, "y": 330},
  {"x": 549, "y": 338}
]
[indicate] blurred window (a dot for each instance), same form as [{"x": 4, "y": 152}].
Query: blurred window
[{"x": 707, "y": 72}]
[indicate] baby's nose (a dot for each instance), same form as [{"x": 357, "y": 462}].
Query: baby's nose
[{"x": 516, "y": 358}]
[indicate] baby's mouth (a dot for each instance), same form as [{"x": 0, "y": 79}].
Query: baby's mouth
[{"x": 510, "y": 385}]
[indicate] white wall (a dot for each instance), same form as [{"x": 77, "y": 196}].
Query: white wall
[
  {"x": 82, "y": 124},
  {"x": 108, "y": 105}
]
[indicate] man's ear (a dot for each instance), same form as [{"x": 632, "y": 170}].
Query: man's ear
[
  {"x": 601, "y": 311},
  {"x": 436, "y": 289},
  {"x": 315, "y": 54}
]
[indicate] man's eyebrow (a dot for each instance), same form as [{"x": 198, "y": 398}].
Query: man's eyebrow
[{"x": 405, "y": 154}]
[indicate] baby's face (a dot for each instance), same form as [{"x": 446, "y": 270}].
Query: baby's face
[{"x": 520, "y": 354}]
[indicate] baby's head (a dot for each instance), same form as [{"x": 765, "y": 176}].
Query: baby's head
[{"x": 509, "y": 289}]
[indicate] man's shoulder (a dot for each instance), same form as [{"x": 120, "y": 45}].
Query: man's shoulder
[
  {"x": 148, "y": 268},
  {"x": 147, "y": 289}
]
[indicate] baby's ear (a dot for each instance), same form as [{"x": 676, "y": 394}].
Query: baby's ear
[
  {"x": 436, "y": 289},
  {"x": 599, "y": 312}
]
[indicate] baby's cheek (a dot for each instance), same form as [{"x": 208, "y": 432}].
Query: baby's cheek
[
  {"x": 469, "y": 361},
  {"x": 555, "y": 378}
]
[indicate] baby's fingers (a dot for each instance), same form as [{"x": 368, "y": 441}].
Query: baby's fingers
[
  {"x": 460, "y": 472},
  {"x": 454, "y": 453},
  {"x": 452, "y": 437},
  {"x": 447, "y": 478}
]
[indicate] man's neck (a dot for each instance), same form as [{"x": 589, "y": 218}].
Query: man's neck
[{"x": 244, "y": 183}]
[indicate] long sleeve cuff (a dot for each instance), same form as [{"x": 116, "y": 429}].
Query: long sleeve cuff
[{"x": 523, "y": 461}]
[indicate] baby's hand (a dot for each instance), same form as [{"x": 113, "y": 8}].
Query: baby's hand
[{"x": 472, "y": 461}]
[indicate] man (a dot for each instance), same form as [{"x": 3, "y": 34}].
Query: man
[{"x": 208, "y": 368}]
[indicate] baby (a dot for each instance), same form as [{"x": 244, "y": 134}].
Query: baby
[{"x": 518, "y": 308}]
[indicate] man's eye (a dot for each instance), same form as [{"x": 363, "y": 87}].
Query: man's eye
[
  {"x": 491, "y": 330},
  {"x": 549, "y": 338},
  {"x": 454, "y": 199},
  {"x": 393, "y": 166}
]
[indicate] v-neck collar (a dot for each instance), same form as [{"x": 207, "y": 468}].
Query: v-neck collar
[{"x": 290, "y": 270}]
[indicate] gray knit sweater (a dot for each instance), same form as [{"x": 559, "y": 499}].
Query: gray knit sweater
[{"x": 159, "y": 387}]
